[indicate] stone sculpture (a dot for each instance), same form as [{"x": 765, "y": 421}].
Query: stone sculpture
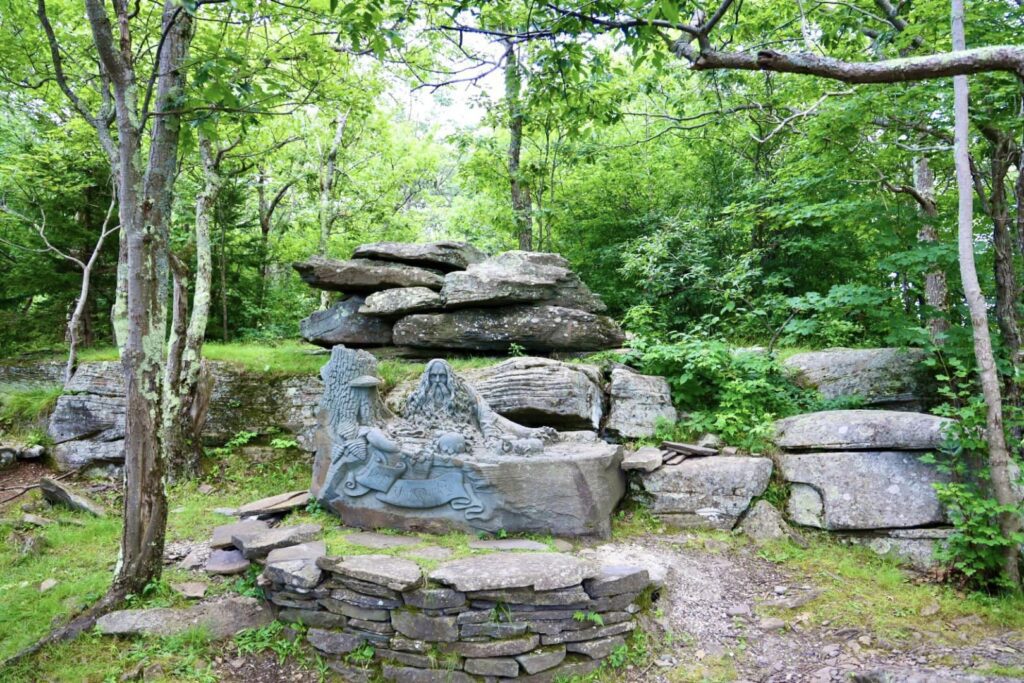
[{"x": 448, "y": 461}]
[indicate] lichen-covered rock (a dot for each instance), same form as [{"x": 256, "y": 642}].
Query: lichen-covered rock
[
  {"x": 863, "y": 490},
  {"x": 363, "y": 276},
  {"x": 861, "y": 430},
  {"x": 444, "y": 255},
  {"x": 638, "y": 403},
  {"x": 764, "y": 523},
  {"x": 540, "y": 328},
  {"x": 913, "y": 547},
  {"x": 707, "y": 492},
  {"x": 542, "y": 392},
  {"x": 884, "y": 378},
  {"x": 97, "y": 417},
  {"x": 519, "y": 277},
  {"x": 343, "y": 323},
  {"x": 401, "y": 301},
  {"x": 219, "y": 619}
]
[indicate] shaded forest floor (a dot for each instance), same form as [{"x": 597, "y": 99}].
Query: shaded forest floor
[{"x": 729, "y": 610}]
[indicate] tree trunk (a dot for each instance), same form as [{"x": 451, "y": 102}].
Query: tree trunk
[
  {"x": 935, "y": 289},
  {"x": 521, "y": 202},
  {"x": 326, "y": 211},
  {"x": 998, "y": 454}
]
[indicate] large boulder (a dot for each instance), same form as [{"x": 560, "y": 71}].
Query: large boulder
[
  {"x": 444, "y": 256},
  {"x": 518, "y": 277},
  {"x": 884, "y": 378},
  {"x": 638, "y": 403},
  {"x": 342, "y": 323},
  {"x": 541, "y": 392},
  {"x": 97, "y": 417},
  {"x": 865, "y": 490},
  {"x": 861, "y": 430},
  {"x": 401, "y": 301},
  {"x": 363, "y": 276},
  {"x": 706, "y": 492},
  {"x": 534, "y": 328}
]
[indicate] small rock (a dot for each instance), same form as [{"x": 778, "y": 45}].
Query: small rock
[
  {"x": 258, "y": 543},
  {"x": 542, "y": 659},
  {"x": 780, "y": 590},
  {"x": 741, "y": 610},
  {"x": 710, "y": 441},
  {"x": 931, "y": 609},
  {"x": 597, "y": 649},
  {"x": 222, "y": 535},
  {"x": 226, "y": 562},
  {"x": 59, "y": 493},
  {"x": 498, "y": 666},
  {"x": 35, "y": 520},
  {"x": 47, "y": 585},
  {"x": 192, "y": 590},
  {"x": 275, "y": 505},
  {"x": 206, "y": 489},
  {"x": 646, "y": 459},
  {"x": 771, "y": 624}
]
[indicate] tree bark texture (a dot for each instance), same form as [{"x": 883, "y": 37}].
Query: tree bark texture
[
  {"x": 936, "y": 291},
  {"x": 522, "y": 205},
  {"x": 327, "y": 212},
  {"x": 998, "y": 454}
]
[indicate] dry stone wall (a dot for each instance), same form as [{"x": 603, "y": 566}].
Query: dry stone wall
[{"x": 524, "y": 616}]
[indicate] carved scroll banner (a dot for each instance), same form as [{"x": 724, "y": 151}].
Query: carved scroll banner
[{"x": 431, "y": 493}]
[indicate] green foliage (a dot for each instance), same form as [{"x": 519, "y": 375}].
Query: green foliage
[
  {"x": 735, "y": 394},
  {"x": 23, "y": 407},
  {"x": 273, "y": 638},
  {"x": 588, "y": 616}
]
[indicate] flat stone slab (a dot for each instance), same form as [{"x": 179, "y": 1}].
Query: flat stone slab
[
  {"x": 508, "y": 544},
  {"x": 259, "y": 543},
  {"x": 192, "y": 590},
  {"x": 540, "y": 571},
  {"x": 275, "y": 505},
  {"x": 861, "y": 430},
  {"x": 443, "y": 255},
  {"x": 296, "y": 565},
  {"x": 222, "y": 535},
  {"x": 226, "y": 562},
  {"x": 392, "y": 303},
  {"x": 370, "y": 539},
  {"x": 638, "y": 404},
  {"x": 363, "y": 276},
  {"x": 221, "y": 619},
  {"x": 395, "y": 573},
  {"x": 617, "y": 579},
  {"x": 59, "y": 493},
  {"x": 707, "y": 492},
  {"x": 344, "y": 323},
  {"x": 864, "y": 490},
  {"x": 542, "y": 659},
  {"x": 882, "y": 377},
  {"x": 646, "y": 459}
]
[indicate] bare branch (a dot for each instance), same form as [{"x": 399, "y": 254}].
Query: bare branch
[{"x": 799, "y": 115}]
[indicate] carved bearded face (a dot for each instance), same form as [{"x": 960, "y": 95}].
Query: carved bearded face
[{"x": 440, "y": 386}]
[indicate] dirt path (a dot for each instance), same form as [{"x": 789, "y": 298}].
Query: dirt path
[{"x": 708, "y": 614}]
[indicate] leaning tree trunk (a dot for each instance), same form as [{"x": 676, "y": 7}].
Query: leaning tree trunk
[
  {"x": 936, "y": 291},
  {"x": 522, "y": 209},
  {"x": 998, "y": 454}
]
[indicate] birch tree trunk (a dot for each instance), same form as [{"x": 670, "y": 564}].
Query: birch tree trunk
[
  {"x": 326, "y": 210},
  {"x": 998, "y": 454},
  {"x": 936, "y": 291}
]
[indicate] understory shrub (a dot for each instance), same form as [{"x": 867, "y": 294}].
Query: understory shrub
[{"x": 734, "y": 393}]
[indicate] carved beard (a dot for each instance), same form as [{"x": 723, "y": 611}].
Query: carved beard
[{"x": 440, "y": 393}]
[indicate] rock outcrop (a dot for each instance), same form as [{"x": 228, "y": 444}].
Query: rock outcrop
[
  {"x": 861, "y": 430},
  {"x": 884, "y": 378},
  {"x": 343, "y": 323},
  {"x": 447, "y": 295},
  {"x": 638, "y": 403}
]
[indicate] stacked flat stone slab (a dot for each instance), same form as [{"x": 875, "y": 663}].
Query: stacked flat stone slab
[
  {"x": 449, "y": 295},
  {"x": 524, "y": 616},
  {"x": 860, "y": 473}
]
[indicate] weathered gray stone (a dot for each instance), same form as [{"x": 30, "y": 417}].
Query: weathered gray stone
[
  {"x": 646, "y": 459},
  {"x": 863, "y": 490},
  {"x": 444, "y": 255},
  {"x": 193, "y": 590},
  {"x": 538, "y": 328},
  {"x": 503, "y": 667},
  {"x": 406, "y": 658},
  {"x": 542, "y": 659},
  {"x": 333, "y": 642},
  {"x": 316, "y": 618},
  {"x": 226, "y": 562},
  {"x": 350, "y": 673},
  {"x": 368, "y": 601},
  {"x": 542, "y": 392},
  {"x": 354, "y": 611},
  {"x": 638, "y": 404},
  {"x": 343, "y": 323},
  {"x": 493, "y": 648},
  {"x": 73, "y": 455},
  {"x": 363, "y": 276},
  {"x": 87, "y": 416},
  {"x": 395, "y": 573},
  {"x": 275, "y": 505},
  {"x": 884, "y": 378},
  {"x": 63, "y": 494},
  {"x": 589, "y": 633},
  {"x": 296, "y": 565},
  {"x": 31, "y": 373},
  {"x": 616, "y": 580},
  {"x": 861, "y": 430},
  {"x": 221, "y": 619},
  {"x": 434, "y": 598},
  {"x": 597, "y": 649},
  {"x": 7, "y": 458},
  {"x": 913, "y": 547},
  {"x": 406, "y": 645},
  {"x": 763, "y": 523},
  {"x": 572, "y": 595},
  {"x": 258, "y": 543},
  {"x": 393, "y": 303},
  {"x": 517, "y": 277},
  {"x": 222, "y": 535},
  {"x": 707, "y": 492},
  {"x": 540, "y": 571},
  {"x": 508, "y": 544},
  {"x": 406, "y": 674},
  {"x": 383, "y": 628},
  {"x": 418, "y": 626},
  {"x": 574, "y": 667},
  {"x": 365, "y": 587},
  {"x": 493, "y": 629}
]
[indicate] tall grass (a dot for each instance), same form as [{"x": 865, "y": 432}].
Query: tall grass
[{"x": 22, "y": 408}]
